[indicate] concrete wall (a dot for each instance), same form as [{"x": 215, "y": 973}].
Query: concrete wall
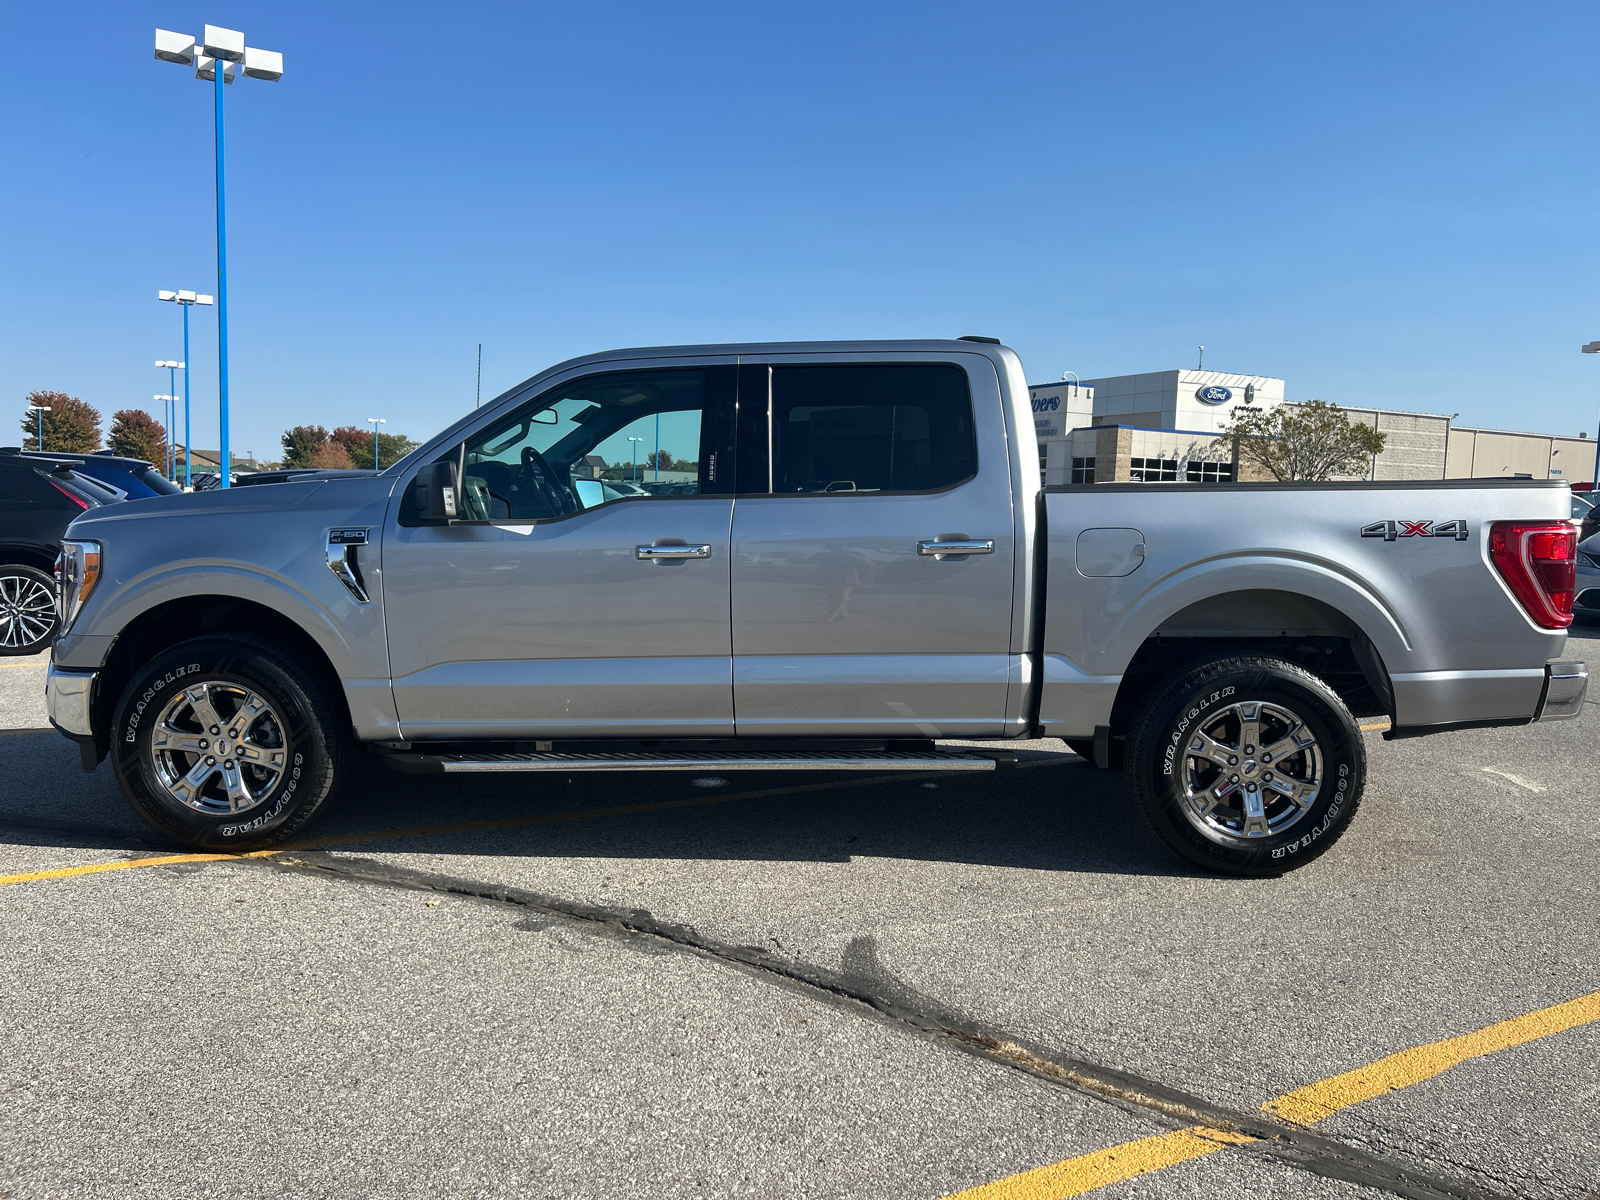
[
  {"x": 1414, "y": 443},
  {"x": 1490, "y": 453}
]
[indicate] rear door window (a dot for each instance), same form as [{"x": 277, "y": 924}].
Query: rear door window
[{"x": 870, "y": 428}]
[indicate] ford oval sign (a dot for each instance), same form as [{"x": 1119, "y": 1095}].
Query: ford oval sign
[{"x": 1215, "y": 394}]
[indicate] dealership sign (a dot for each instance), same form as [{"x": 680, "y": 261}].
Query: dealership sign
[{"x": 1215, "y": 394}]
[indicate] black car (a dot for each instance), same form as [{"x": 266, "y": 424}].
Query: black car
[
  {"x": 133, "y": 476},
  {"x": 37, "y": 503}
]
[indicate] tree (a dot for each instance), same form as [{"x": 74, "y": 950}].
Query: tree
[
  {"x": 136, "y": 434},
  {"x": 331, "y": 455},
  {"x": 301, "y": 442},
  {"x": 357, "y": 443},
  {"x": 72, "y": 426},
  {"x": 1313, "y": 441}
]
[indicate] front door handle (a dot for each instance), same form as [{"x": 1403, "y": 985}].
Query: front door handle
[
  {"x": 670, "y": 553},
  {"x": 964, "y": 546}
]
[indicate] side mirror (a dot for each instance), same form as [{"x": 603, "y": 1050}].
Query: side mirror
[{"x": 436, "y": 491}]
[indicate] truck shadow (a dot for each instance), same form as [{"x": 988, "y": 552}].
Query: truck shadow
[{"x": 1057, "y": 813}]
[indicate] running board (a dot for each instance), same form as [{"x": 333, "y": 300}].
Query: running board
[{"x": 881, "y": 760}]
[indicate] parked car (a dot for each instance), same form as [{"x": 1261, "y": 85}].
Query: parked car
[
  {"x": 1586, "y": 603},
  {"x": 467, "y": 609},
  {"x": 133, "y": 477},
  {"x": 1587, "y": 514},
  {"x": 37, "y": 503}
]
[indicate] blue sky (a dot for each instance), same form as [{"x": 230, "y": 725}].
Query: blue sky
[{"x": 1385, "y": 205}]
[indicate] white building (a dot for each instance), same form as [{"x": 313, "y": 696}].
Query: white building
[{"x": 1163, "y": 426}]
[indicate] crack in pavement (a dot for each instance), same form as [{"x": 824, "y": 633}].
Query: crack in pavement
[{"x": 864, "y": 983}]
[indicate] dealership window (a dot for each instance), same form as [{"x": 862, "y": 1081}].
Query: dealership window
[
  {"x": 1153, "y": 470},
  {"x": 1210, "y": 472},
  {"x": 1083, "y": 470}
]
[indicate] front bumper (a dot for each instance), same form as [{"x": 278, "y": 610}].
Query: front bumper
[
  {"x": 69, "y": 697},
  {"x": 1565, "y": 685}
]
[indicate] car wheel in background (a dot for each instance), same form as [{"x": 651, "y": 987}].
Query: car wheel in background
[
  {"x": 1247, "y": 765},
  {"x": 228, "y": 743},
  {"x": 27, "y": 610}
]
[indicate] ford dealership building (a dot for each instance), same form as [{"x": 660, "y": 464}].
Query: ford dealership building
[{"x": 1164, "y": 426}]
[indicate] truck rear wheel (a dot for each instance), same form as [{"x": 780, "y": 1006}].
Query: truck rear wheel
[
  {"x": 227, "y": 743},
  {"x": 1247, "y": 765}
]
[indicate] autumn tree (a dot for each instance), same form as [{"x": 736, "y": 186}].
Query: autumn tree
[
  {"x": 357, "y": 442},
  {"x": 301, "y": 442},
  {"x": 72, "y": 426},
  {"x": 1314, "y": 441},
  {"x": 136, "y": 434},
  {"x": 330, "y": 456}
]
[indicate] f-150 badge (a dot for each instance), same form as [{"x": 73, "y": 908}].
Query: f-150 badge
[{"x": 1390, "y": 530}]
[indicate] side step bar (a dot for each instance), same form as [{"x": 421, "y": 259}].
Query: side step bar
[{"x": 868, "y": 760}]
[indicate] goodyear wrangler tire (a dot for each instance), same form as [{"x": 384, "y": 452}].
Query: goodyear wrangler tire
[
  {"x": 227, "y": 743},
  {"x": 1247, "y": 765}
]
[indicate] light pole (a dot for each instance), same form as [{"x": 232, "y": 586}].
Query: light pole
[
  {"x": 171, "y": 465},
  {"x": 1594, "y": 348},
  {"x": 633, "y": 455},
  {"x": 185, "y": 300},
  {"x": 658, "y": 447},
  {"x": 41, "y": 409},
  {"x": 227, "y": 47},
  {"x": 172, "y": 366},
  {"x": 375, "y": 422}
]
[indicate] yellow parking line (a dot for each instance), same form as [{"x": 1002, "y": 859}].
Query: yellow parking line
[
  {"x": 1303, "y": 1106},
  {"x": 1379, "y": 725},
  {"x": 1308, "y": 1105},
  {"x": 122, "y": 864},
  {"x": 1100, "y": 1168}
]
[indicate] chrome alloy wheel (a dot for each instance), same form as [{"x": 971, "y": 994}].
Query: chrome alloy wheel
[
  {"x": 27, "y": 611},
  {"x": 1250, "y": 770},
  {"x": 217, "y": 747}
]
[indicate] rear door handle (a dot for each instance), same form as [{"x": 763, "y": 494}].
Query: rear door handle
[
  {"x": 971, "y": 546},
  {"x": 669, "y": 553}
]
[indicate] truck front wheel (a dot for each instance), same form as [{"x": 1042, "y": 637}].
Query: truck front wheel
[
  {"x": 1247, "y": 765},
  {"x": 227, "y": 743}
]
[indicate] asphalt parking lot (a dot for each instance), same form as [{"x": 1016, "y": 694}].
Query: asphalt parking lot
[{"x": 795, "y": 985}]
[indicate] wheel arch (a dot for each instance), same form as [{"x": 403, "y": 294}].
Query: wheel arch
[
  {"x": 25, "y": 555},
  {"x": 1294, "y": 626},
  {"x": 167, "y": 624}
]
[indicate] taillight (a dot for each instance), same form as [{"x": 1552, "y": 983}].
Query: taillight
[
  {"x": 1538, "y": 561},
  {"x": 73, "y": 496}
]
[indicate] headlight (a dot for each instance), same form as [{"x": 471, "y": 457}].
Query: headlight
[{"x": 77, "y": 572}]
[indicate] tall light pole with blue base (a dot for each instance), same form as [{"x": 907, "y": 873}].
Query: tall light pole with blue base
[
  {"x": 225, "y": 46},
  {"x": 185, "y": 300}
]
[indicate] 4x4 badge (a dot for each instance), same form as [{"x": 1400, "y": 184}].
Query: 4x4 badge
[{"x": 1390, "y": 530}]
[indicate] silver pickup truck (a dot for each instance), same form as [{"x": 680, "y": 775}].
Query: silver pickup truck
[{"x": 825, "y": 556}]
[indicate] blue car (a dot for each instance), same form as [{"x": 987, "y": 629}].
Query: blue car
[{"x": 133, "y": 476}]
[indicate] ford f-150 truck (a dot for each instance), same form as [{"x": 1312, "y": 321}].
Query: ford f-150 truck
[{"x": 820, "y": 556}]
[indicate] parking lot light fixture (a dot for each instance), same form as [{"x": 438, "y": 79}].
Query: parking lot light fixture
[
  {"x": 185, "y": 300},
  {"x": 170, "y": 466},
  {"x": 1594, "y": 348},
  {"x": 375, "y": 422},
  {"x": 633, "y": 456},
  {"x": 225, "y": 46},
  {"x": 172, "y": 366},
  {"x": 41, "y": 409}
]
